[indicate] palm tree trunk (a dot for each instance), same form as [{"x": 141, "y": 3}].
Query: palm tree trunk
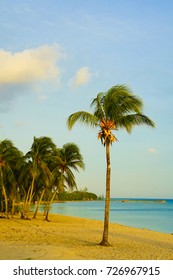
[
  {"x": 26, "y": 207},
  {"x": 105, "y": 241},
  {"x": 23, "y": 216},
  {"x": 12, "y": 209},
  {"x": 2, "y": 205},
  {"x": 48, "y": 207},
  {"x": 6, "y": 200},
  {"x": 38, "y": 204},
  {"x": 4, "y": 194}
]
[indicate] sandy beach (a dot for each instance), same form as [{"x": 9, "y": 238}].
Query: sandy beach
[{"x": 69, "y": 238}]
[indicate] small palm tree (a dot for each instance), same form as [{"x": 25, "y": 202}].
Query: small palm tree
[
  {"x": 66, "y": 159},
  {"x": 63, "y": 161},
  {"x": 40, "y": 153},
  {"x": 113, "y": 110}
]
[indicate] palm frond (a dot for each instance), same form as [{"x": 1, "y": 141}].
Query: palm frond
[
  {"x": 97, "y": 104},
  {"x": 42, "y": 147},
  {"x": 119, "y": 101},
  {"x": 118, "y": 106},
  {"x": 65, "y": 160},
  {"x": 82, "y": 117},
  {"x": 72, "y": 155},
  {"x": 45, "y": 171},
  {"x": 69, "y": 180},
  {"x": 129, "y": 121}
]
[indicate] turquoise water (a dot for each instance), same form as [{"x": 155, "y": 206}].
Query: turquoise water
[{"x": 153, "y": 214}]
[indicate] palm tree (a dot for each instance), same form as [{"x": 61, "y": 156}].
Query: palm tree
[
  {"x": 66, "y": 159},
  {"x": 14, "y": 192},
  {"x": 40, "y": 153},
  {"x": 113, "y": 110},
  {"x": 9, "y": 157}
]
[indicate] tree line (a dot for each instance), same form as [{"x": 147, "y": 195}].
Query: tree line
[
  {"x": 44, "y": 172},
  {"x": 77, "y": 195}
]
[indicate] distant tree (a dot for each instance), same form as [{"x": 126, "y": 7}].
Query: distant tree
[
  {"x": 77, "y": 195},
  {"x": 85, "y": 189}
]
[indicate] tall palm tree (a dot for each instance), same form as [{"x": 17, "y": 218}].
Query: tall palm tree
[
  {"x": 40, "y": 153},
  {"x": 113, "y": 110}
]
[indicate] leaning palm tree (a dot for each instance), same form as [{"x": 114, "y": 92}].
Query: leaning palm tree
[
  {"x": 113, "y": 110},
  {"x": 40, "y": 153},
  {"x": 67, "y": 159},
  {"x": 64, "y": 161},
  {"x": 9, "y": 156}
]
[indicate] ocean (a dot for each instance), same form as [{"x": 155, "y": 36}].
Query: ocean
[{"x": 152, "y": 214}]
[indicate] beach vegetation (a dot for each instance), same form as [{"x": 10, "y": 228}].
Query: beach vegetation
[
  {"x": 118, "y": 108},
  {"x": 43, "y": 173},
  {"x": 9, "y": 167},
  {"x": 63, "y": 162},
  {"x": 37, "y": 159},
  {"x": 77, "y": 195}
]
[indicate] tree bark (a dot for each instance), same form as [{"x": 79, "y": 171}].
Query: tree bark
[
  {"x": 12, "y": 208},
  {"x": 38, "y": 204},
  {"x": 105, "y": 241},
  {"x": 4, "y": 194},
  {"x": 26, "y": 206},
  {"x": 48, "y": 207},
  {"x": 6, "y": 200}
]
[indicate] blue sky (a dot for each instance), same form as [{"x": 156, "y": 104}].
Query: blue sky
[{"x": 55, "y": 56}]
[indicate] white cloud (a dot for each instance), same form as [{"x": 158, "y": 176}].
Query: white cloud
[
  {"x": 28, "y": 71},
  {"x": 152, "y": 150},
  {"x": 29, "y": 65},
  {"x": 82, "y": 77}
]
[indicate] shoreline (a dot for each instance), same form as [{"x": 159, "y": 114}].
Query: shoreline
[
  {"x": 73, "y": 238},
  {"x": 124, "y": 216}
]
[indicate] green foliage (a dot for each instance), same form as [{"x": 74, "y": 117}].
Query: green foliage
[
  {"x": 118, "y": 104},
  {"x": 66, "y": 160},
  {"x": 82, "y": 117},
  {"x": 45, "y": 168},
  {"x": 77, "y": 195},
  {"x": 10, "y": 157}
]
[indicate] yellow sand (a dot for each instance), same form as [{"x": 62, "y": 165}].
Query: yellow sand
[{"x": 77, "y": 239}]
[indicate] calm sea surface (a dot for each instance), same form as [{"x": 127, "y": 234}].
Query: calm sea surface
[{"x": 153, "y": 214}]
